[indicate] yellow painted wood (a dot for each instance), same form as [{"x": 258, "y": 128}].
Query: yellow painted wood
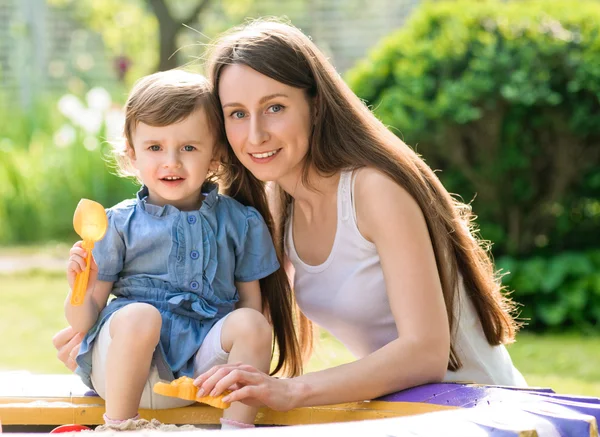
[{"x": 77, "y": 410}]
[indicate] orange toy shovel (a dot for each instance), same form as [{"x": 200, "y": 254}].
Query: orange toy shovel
[{"x": 90, "y": 223}]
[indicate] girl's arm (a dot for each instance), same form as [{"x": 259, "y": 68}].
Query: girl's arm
[
  {"x": 249, "y": 295},
  {"x": 392, "y": 220},
  {"x": 82, "y": 317}
]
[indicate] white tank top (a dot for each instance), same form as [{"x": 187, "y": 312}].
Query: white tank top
[{"x": 346, "y": 295}]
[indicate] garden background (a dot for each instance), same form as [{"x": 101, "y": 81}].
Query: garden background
[{"x": 502, "y": 97}]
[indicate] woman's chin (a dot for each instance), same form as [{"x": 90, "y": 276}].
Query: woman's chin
[{"x": 264, "y": 175}]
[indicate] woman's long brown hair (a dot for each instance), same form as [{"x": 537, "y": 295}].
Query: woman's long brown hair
[
  {"x": 346, "y": 135},
  {"x": 236, "y": 181}
]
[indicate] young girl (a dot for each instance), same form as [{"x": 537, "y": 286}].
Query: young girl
[{"x": 183, "y": 261}]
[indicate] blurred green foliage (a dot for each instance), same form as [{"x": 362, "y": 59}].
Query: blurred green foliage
[
  {"x": 503, "y": 97},
  {"x": 556, "y": 292},
  {"x": 42, "y": 178},
  {"x": 162, "y": 34}
]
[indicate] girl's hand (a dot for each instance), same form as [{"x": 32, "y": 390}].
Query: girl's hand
[
  {"x": 248, "y": 385},
  {"x": 67, "y": 342},
  {"x": 76, "y": 264}
]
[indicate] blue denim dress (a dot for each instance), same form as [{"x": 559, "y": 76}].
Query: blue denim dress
[{"x": 184, "y": 263}]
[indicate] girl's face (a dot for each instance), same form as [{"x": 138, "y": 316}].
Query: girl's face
[
  {"x": 173, "y": 161},
  {"x": 268, "y": 123}
]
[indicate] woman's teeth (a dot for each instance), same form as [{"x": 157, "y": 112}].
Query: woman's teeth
[
  {"x": 265, "y": 154},
  {"x": 172, "y": 178}
]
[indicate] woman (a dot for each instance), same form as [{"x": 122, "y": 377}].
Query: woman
[{"x": 380, "y": 254}]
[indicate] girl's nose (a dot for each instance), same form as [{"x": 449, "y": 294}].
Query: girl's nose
[
  {"x": 173, "y": 160},
  {"x": 258, "y": 133}
]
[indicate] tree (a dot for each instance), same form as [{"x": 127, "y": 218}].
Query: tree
[
  {"x": 140, "y": 29},
  {"x": 170, "y": 26}
]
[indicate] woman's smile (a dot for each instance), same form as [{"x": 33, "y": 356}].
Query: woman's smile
[{"x": 264, "y": 157}]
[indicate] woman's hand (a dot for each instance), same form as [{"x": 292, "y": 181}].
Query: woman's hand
[
  {"x": 250, "y": 386},
  {"x": 67, "y": 343}
]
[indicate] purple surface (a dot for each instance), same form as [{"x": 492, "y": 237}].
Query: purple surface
[
  {"x": 569, "y": 415},
  {"x": 568, "y": 423},
  {"x": 584, "y": 399},
  {"x": 422, "y": 393},
  {"x": 591, "y": 409},
  {"x": 497, "y": 432}
]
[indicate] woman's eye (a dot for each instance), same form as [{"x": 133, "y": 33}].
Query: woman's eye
[
  {"x": 238, "y": 114},
  {"x": 154, "y": 148},
  {"x": 276, "y": 108},
  {"x": 189, "y": 148}
]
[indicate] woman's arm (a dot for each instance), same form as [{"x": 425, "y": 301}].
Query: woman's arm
[
  {"x": 392, "y": 220},
  {"x": 67, "y": 342}
]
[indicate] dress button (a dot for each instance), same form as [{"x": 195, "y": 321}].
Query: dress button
[
  {"x": 194, "y": 254},
  {"x": 191, "y": 219},
  {"x": 194, "y": 285}
]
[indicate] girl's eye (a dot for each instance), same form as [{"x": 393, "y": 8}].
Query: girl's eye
[
  {"x": 276, "y": 108},
  {"x": 237, "y": 115},
  {"x": 189, "y": 148},
  {"x": 154, "y": 148}
]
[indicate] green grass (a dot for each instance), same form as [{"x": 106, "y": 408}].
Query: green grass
[{"x": 32, "y": 312}]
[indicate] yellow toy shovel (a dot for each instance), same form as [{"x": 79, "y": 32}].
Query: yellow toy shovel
[{"x": 90, "y": 223}]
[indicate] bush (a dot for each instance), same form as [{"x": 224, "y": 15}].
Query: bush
[
  {"x": 504, "y": 99},
  {"x": 556, "y": 292}
]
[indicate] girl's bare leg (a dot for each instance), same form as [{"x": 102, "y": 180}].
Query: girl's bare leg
[
  {"x": 135, "y": 332},
  {"x": 247, "y": 336}
]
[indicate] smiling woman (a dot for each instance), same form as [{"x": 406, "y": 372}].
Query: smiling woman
[
  {"x": 379, "y": 252},
  {"x": 265, "y": 120}
]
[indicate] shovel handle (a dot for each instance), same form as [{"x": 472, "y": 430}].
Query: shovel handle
[{"x": 82, "y": 278}]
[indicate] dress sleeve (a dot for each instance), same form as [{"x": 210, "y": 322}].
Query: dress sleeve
[
  {"x": 110, "y": 251},
  {"x": 256, "y": 257}
]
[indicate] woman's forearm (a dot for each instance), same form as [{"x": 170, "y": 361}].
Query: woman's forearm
[{"x": 396, "y": 366}]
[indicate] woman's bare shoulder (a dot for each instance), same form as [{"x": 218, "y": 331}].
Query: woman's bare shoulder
[
  {"x": 374, "y": 186},
  {"x": 380, "y": 201}
]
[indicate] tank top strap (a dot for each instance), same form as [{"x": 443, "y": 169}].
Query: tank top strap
[{"x": 345, "y": 195}]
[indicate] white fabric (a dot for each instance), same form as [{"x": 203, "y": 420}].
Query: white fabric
[
  {"x": 347, "y": 296},
  {"x": 210, "y": 354}
]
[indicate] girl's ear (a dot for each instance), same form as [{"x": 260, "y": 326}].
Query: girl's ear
[
  {"x": 130, "y": 151},
  {"x": 217, "y": 160}
]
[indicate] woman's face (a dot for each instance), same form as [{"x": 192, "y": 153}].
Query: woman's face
[{"x": 268, "y": 123}]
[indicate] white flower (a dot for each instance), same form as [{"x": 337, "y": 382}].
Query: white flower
[
  {"x": 65, "y": 136},
  {"x": 69, "y": 105},
  {"x": 90, "y": 120},
  {"x": 98, "y": 99},
  {"x": 115, "y": 121},
  {"x": 90, "y": 142}
]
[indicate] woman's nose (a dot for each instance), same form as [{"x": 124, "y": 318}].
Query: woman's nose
[{"x": 258, "y": 133}]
